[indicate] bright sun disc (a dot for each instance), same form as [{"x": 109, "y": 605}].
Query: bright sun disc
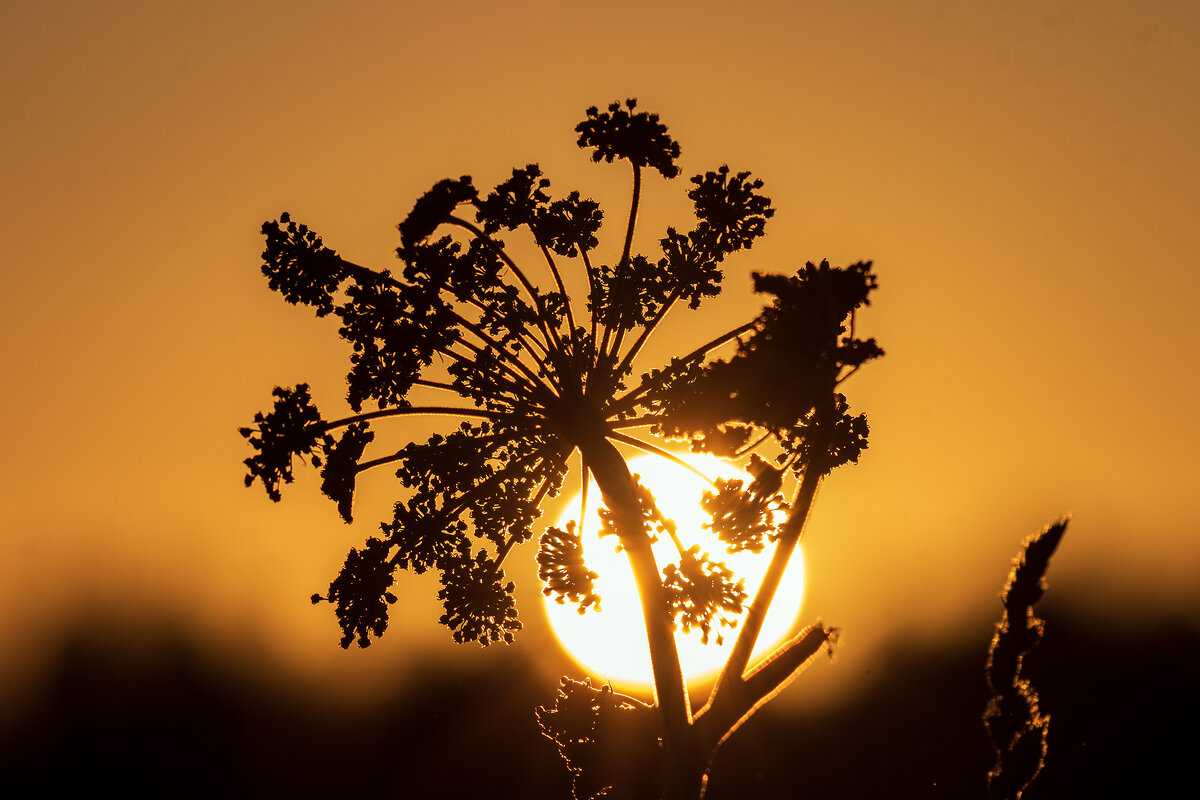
[{"x": 611, "y": 643}]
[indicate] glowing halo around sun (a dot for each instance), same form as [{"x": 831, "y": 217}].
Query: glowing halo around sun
[{"x": 611, "y": 643}]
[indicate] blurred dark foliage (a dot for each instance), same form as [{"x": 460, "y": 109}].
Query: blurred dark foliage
[{"x": 173, "y": 720}]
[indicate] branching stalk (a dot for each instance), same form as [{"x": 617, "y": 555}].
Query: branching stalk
[{"x": 789, "y": 536}]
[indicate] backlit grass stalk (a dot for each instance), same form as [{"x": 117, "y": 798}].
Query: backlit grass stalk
[{"x": 1017, "y": 727}]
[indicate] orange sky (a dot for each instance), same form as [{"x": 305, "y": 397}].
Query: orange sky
[{"x": 1024, "y": 175}]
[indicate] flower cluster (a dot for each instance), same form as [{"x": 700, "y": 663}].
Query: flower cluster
[
  {"x": 535, "y": 378},
  {"x": 479, "y": 605},
  {"x": 299, "y": 266},
  {"x": 434, "y": 208},
  {"x": 701, "y": 592},
  {"x": 291, "y": 429},
  {"x": 562, "y": 569},
  {"x": 341, "y": 467},
  {"x": 636, "y": 137},
  {"x": 361, "y": 592},
  {"x": 730, "y": 209},
  {"x": 741, "y": 519}
]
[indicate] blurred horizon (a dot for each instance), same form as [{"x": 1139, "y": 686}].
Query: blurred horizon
[{"x": 1023, "y": 176}]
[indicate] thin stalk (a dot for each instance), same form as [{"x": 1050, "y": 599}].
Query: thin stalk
[
  {"x": 627, "y": 361},
  {"x": 504, "y": 549},
  {"x": 847, "y": 374},
  {"x": 449, "y": 512},
  {"x": 366, "y": 274},
  {"x": 528, "y": 342},
  {"x": 583, "y": 492},
  {"x": 518, "y": 380},
  {"x": 637, "y": 422},
  {"x": 625, "y": 400},
  {"x": 566, "y": 299},
  {"x": 435, "y": 385},
  {"x": 550, "y": 334},
  {"x": 658, "y": 451},
  {"x": 477, "y": 441},
  {"x": 606, "y": 355},
  {"x": 750, "y": 447},
  {"x": 733, "y": 674},
  {"x": 593, "y": 290},
  {"x": 414, "y": 411},
  {"x": 551, "y": 374}
]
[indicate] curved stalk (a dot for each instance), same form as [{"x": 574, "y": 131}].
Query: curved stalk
[
  {"x": 528, "y": 342},
  {"x": 365, "y": 274},
  {"x": 658, "y": 451},
  {"x": 517, "y": 382},
  {"x": 593, "y": 290},
  {"x": 640, "y": 342},
  {"x": 605, "y": 355},
  {"x": 400, "y": 454},
  {"x": 508, "y": 357},
  {"x": 550, "y": 334},
  {"x": 562, "y": 289},
  {"x": 416, "y": 411},
  {"x": 752, "y": 446}
]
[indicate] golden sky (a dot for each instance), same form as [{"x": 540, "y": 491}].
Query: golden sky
[{"x": 1024, "y": 175}]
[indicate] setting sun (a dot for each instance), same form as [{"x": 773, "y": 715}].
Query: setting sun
[{"x": 611, "y": 643}]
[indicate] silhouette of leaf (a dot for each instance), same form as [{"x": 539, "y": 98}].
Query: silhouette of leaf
[
  {"x": 562, "y": 569},
  {"x": 293, "y": 428},
  {"x": 637, "y": 137}
]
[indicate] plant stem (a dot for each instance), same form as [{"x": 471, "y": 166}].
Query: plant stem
[
  {"x": 789, "y": 535},
  {"x": 619, "y": 491}
]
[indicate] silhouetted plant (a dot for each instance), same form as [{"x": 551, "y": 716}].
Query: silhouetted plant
[
  {"x": 544, "y": 378},
  {"x": 1017, "y": 727}
]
